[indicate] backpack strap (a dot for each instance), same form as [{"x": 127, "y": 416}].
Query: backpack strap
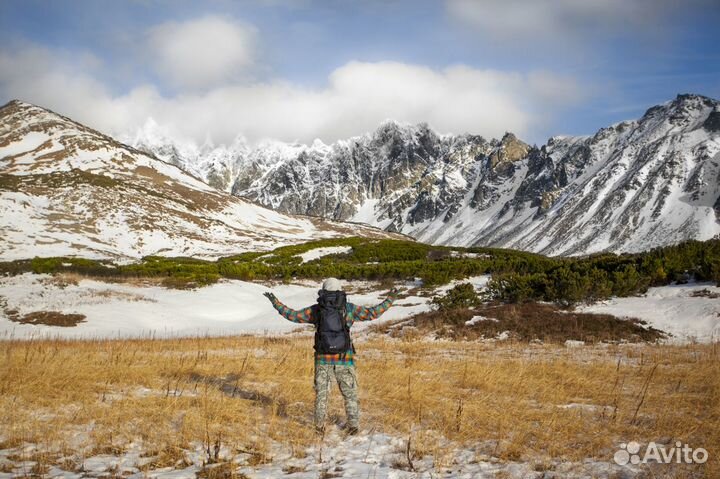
[{"x": 346, "y": 329}]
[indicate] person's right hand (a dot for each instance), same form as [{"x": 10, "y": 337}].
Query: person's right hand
[{"x": 269, "y": 296}]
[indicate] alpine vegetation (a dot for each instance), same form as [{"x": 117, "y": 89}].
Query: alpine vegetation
[{"x": 516, "y": 276}]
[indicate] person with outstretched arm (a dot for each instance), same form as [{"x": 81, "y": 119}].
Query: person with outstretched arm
[{"x": 333, "y": 316}]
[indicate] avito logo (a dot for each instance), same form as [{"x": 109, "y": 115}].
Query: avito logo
[{"x": 680, "y": 454}]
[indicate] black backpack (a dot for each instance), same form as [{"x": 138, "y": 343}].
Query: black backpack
[{"x": 332, "y": 335}]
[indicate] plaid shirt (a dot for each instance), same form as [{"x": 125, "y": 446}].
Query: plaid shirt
[{"x": 354, "y": 313}]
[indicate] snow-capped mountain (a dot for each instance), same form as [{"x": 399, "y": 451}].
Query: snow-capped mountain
[
  {"x": 66, "y": 189},
  {"x": 630, "y": 187}
]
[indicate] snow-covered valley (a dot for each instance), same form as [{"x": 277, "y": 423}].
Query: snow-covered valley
[
  {"x": 126, "y": 310},
  {"x": 688, "y": 312},
  {"x": 241, "y": 406}
]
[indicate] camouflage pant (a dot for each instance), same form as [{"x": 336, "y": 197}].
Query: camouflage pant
[{"x": 347, "y": 381}]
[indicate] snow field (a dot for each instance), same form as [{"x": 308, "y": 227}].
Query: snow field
[
  {"x": 317, "y": 253},
  {"x": 672, "y": 309},
  {"x": 238, "y": 307},
  {"x": 369, "y": 454},
  {"x": 125, "y": 310}
]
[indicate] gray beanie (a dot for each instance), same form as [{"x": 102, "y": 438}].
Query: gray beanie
[{"x": 332, "y": 284}]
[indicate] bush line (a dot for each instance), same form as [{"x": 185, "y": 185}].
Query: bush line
[{"x": 517, "y": 276}]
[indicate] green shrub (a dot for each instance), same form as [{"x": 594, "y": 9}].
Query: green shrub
[{"x": 461, "y": 296}]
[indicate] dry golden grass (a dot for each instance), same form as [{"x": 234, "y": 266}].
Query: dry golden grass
[
  {"x": 65, "y": 279},
  {"x": 51, "y": 318},
  {"x": 246, "y": 393}
]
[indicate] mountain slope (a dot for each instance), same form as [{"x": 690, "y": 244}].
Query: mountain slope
[
  {"x": 629, "y": 187},
  {"x": 633, "y": 186},
  {"x": 66, "y": 189}
]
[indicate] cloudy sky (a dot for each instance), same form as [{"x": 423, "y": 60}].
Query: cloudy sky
[{"x": 297, "y": 70}]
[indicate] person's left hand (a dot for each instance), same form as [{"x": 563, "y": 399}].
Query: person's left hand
[{"x": 269, "y": 296}]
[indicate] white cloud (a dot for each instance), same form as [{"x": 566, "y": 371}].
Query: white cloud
[
  {"x": 203, "y": 52},
  {"x": 59, "y": 81},
  {"x": 543, "y": 20},
  {"x": 357, "y": 97}
]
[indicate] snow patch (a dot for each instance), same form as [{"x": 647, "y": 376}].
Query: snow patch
[
  {"x": 478, "y": 282},
  {"x": 317, "y": 253},
  {"x": 29, "y": 142},
  {"x": 672, "y": 309},
  {"x": 477, "y": 319},
  {"x": 123, "y": 310}
]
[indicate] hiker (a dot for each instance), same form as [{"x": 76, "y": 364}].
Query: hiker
[{"x": 334, "y": 352}]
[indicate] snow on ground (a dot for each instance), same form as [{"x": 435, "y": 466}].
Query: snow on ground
[
  {"x": 235, "y": 307},
  {"x": 672, "y": 309},
  {"x": 29, "y": 142},
  {"x": 477, "y": 319},
  {"x": 125, "y": 310},
  {"x": 367, "y": 455},
  {"x": 368, "y": 213},
  {"x": 320, "y": 252},
  {"x": 479, "y": 282}
]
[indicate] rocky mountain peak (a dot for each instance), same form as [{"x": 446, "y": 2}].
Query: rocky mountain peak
[
  {"x": 684, "y": 108},
  {"x": 28, "y": 111},
  {"x": 511, "y": 150},
  {"x": 19, "y": 104},
  {"x": 694, "y": 99},
  {"x": 12, "y": 104},
  {"x": 22, "y": 113},
  {"x": 508, "y": 137}
]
